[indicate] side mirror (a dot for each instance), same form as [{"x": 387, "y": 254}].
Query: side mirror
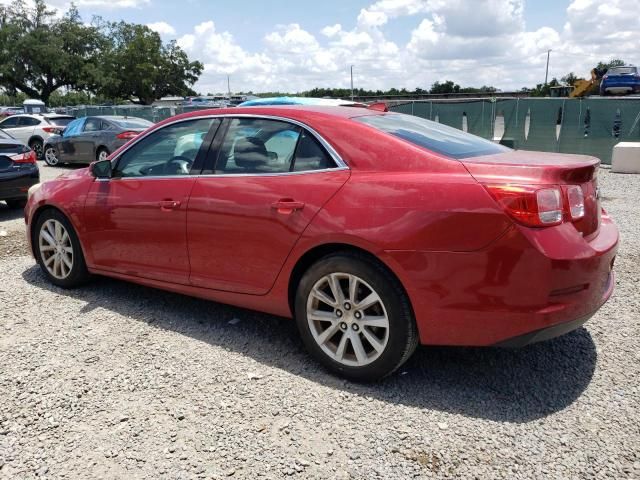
[{"x": 101, "y": 169}]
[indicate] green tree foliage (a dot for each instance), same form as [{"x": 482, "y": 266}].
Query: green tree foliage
[
  {"x": 614, "y": 62},
  {"x": 136, "y": 65},
  {"x": 41, "y": 53}
]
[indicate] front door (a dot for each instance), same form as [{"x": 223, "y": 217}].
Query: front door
[
  {"x": 269, "y": 181},
  {"x": 136, "y": 221}
]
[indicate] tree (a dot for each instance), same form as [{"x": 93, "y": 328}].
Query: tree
[
  {"x": 446, "y": 87},
  {"x": 570, "y": 78},
  {"x": 138, "y": 66},
  {"x": 543, "y": 90},
  {"x": 42, "y": 53},
  {"x": 614, "y": 62}
]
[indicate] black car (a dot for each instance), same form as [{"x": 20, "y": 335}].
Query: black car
[
  {"x": 88, "y": 139},
  {"x": 18, "y": 170}
]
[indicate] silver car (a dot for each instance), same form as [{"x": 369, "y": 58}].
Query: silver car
[{"x": 88, "y": 139}]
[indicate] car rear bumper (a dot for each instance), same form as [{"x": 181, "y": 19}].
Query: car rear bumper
[
  {"x": 527, "y": 286},
  {"x": 14, "y": 185}
]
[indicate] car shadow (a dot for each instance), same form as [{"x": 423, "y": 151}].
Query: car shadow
[
  {"x": 7, "y": 214},
  {"x": 489, "y": 383}
]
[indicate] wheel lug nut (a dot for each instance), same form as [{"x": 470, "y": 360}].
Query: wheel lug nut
[
  {"x": 338, "y": 313},
  {"x": 343, "y": 326},
  {"x": 358, "y": 315},
  {"x": 347, "y": 306},
  {"x": 355, "y": 327}
]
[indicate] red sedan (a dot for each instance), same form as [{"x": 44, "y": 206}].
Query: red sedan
[{"x": 376, "y": 231}]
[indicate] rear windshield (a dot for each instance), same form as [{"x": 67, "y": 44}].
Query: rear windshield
[
  {"x": 132, "y": 123},
  {"x": 60, "y": 121},
  {"x": 622, "y": 70},
  {"x": 433, "y": 136}
]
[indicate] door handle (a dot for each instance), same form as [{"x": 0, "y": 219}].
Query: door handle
[
  {"x": 168, "y": 205},
  {"x": 287, "y": 206}
]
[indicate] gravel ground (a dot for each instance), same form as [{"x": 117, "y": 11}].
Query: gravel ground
[{"x": 120, "y": 381}]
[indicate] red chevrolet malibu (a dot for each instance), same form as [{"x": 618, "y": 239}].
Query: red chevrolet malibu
[{"x": 376, "y": 231}]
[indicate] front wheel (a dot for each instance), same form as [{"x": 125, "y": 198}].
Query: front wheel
[
  {"x": 51, "y": 156},
  {"x": 354, "y": 317},
  {"x": 58, "y": 250}
]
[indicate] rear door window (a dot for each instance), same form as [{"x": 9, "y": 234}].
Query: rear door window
[{"x": 28, "y": 122}]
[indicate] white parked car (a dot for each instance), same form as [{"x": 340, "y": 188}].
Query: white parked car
[{"x": 34, "y": 129}]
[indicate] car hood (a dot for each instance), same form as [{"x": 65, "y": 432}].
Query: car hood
[{"x": 74, "y": 174}]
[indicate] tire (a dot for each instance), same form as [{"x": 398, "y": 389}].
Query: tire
[
  {"x": 325, "y": 338},
  {"x": 17, "y": 204},
  {"x": 51, "y": 156},
  {"x": 102, "y": 153},
  {"x": 36, "y": 146},
  {"x": 57, "y": 271}
]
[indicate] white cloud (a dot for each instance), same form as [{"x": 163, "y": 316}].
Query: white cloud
[{"x": 163, "y": 28}]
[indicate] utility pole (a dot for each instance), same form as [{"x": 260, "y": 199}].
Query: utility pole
[
  {"x": 352, "y": 83},
  {"x": 229, "y": 86},
  {"x": 546, "y": 74}
]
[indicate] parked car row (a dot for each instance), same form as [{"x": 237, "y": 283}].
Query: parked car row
[{"x": 35, "y": 129}]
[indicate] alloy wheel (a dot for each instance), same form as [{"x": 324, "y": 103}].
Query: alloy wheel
[
  {"x": 347, "y": 319},
  {"x": 50, "y": 156},
  {"x": 102, "y": 155},
  {"x": 56, "y": 249}
]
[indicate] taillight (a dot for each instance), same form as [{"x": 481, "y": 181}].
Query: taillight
[
  {"x": 530, "y": 205},
  {"x": 575, "y": 201},
  {"x": 27, "y": 157},
  {"x": 51, "y": 130},
  {"x": 127, "y": 135}
]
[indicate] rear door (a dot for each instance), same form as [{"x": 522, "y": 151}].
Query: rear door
[
  {"x": 66, "y": 146},
  {"x": 21, "y": 127},
  {"x": 246, "y": 213}
]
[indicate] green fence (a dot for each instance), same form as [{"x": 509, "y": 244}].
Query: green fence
[{"x": 590, "y": 126}]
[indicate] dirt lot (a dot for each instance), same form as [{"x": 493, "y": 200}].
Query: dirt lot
[{"x": 120, "y": 381}]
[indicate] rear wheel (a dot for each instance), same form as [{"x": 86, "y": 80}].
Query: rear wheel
[
  {"x": 51, "y": 156},
  {"x": 58, "y": 250},
  {"x": 354, "y": 317},
  {"x": 102, "y": 154},
  {"x": 36, "y": 146}
]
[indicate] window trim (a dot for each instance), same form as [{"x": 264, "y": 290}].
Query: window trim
[
  {"x": 341, "y": 164},
  {"x": 198, "y": 162}
]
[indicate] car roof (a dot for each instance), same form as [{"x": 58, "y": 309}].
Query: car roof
[
  {"x": 294, "y": 112},
  {"x": 117, "y": 117}
]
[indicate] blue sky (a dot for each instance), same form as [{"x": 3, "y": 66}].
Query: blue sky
[{"x": 296, "y": 45}]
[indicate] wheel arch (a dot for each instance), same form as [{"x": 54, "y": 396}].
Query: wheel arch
[
  {"x": 36, "y": 137},
  {"x": 36, "y": 216},
  {"x": 317, "y": 252}
]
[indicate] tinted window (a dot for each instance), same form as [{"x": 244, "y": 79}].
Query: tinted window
[
  {"x": 433, "y": 136},
  {"x": 74, "y": 128},
  {"x": 92, "y": 125},
  {"x": 132, "y": 123},
  {"x": 254, "y": 145},
  {"x": 28, "y": 122},
  {"x": 310, "y": 155},
  {"x": 168, "y": 151},
  {"x": 60, "y": 121},
  {"x": 9, "y": 122}
]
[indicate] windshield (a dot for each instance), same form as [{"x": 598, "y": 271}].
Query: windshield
[
  {"x": 60, "y": 121},
  {"x": 131, "y": 123},
  {"x": 433, "y": 136},
  {"x": 622, "y": 70}
]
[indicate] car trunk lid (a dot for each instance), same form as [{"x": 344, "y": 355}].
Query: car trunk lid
[{"x": 544, "y": 169}]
